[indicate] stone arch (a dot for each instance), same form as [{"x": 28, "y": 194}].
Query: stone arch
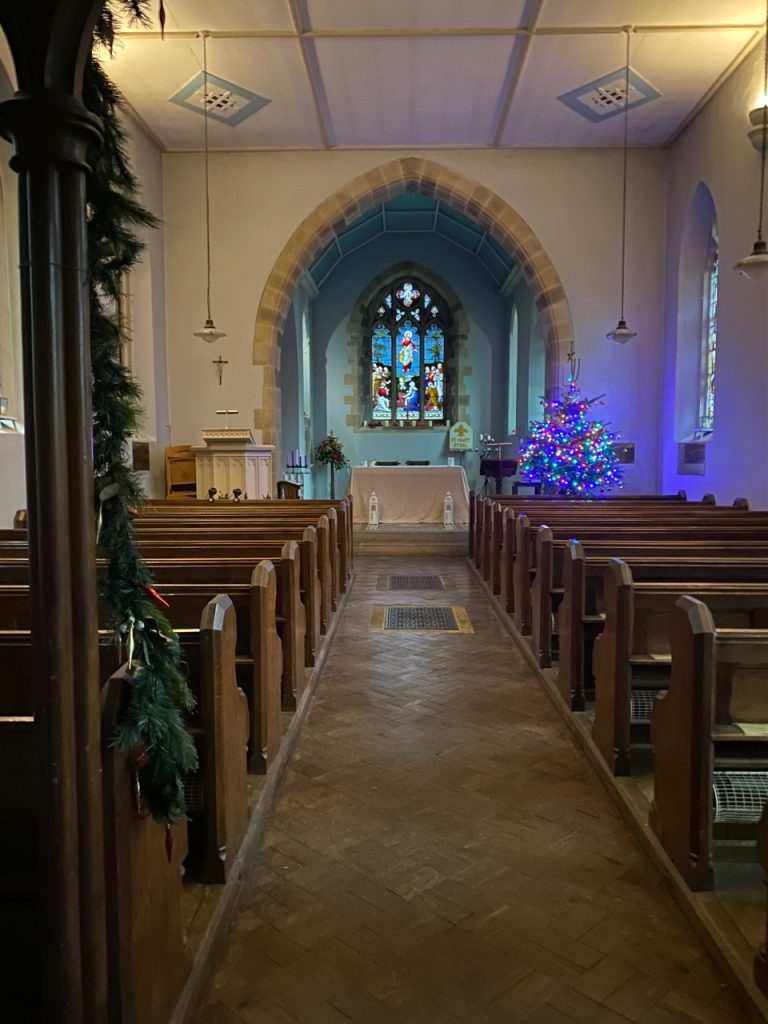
[
  {"x": 355, "y": 334},
  {"x": 407, "y": 174}
]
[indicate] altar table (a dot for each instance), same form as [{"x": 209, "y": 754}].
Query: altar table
[{"x": 410, "y": 494}]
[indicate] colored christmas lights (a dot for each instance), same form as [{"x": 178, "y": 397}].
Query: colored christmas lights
[{"x": 567, "y": 452}]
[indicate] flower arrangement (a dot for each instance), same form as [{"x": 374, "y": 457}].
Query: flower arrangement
[{"x": 330, "y": 452}]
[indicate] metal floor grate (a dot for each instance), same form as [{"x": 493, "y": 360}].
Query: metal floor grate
[
  {"x": 420, "y": 618},
  {"x": 415, "y": 583},
  {"x": 641, "y": 705},
  {"x": 739, "y": 796},
  {"x": 193, "y": 791}
]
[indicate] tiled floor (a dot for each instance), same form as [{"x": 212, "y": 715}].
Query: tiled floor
[{"x": 441, "y": 852}]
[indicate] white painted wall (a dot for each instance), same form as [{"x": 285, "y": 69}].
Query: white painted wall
[
  {"x": 570, "y": 198},
  {"x": 715, "y": 150},
  {"x": 147, "y": 317},
  {"x": 147, "y": 310}
]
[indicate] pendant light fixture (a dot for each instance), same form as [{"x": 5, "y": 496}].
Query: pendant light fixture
[
  {"x": 621, "y": 333},
  {"x": 755, "y": 266},
  {"x": 208, "y": 332}
]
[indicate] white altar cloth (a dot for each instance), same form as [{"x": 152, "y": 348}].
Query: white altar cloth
[{"x": 410, "y": 494}]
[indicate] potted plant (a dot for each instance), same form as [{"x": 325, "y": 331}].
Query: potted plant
[{"x": 330, "y": 452}]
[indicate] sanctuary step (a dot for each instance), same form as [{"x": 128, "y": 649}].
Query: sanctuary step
[{"x": 411, "y": 539}]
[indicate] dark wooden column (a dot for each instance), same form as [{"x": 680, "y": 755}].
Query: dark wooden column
[{"x": 51, "y": 131}]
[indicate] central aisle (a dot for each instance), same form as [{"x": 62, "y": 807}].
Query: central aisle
[{"x": 441, "y": 852}]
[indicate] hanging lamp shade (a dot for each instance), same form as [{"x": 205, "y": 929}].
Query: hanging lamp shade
[
  {"x": 621, "y": 333},
  {"x": 209, "y": 331},
  {"x": 755, "y": 266}
]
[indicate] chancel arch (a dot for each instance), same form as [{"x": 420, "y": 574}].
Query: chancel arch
[{"x": 410, "y": 174}]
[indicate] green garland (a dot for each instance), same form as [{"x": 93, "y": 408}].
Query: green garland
[{"x": 152, "y": 729}]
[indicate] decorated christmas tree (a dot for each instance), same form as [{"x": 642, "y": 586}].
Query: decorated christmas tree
[{"x": 567, "y": 452}]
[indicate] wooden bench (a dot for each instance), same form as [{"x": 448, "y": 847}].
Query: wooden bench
[
  {"x": 712, "y": 719},
  {"x": 208, "y": 577},
  {"x": 145, "y": 929},
  {"x": 278, "y": 509},
  {"x": 754, "y": 531},
  {"x": 632, "y": 657},
  {"x": 229, "y": 529},
  {"x": 555, "y": 562},
  {"x": 220, "y": 726},
  {"x": 581, "y": 614}
]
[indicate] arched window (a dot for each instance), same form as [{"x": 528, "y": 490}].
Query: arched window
[
  {"x": 709, "y": 334},
  {"x": 407, "y": 324}
]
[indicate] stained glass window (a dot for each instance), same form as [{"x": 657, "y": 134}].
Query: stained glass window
[
  {"x": 407, "y": 360},
  {"x": 709, "y": 335}
]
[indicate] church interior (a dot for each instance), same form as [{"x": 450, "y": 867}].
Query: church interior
[{"x": 325, "y": 321}]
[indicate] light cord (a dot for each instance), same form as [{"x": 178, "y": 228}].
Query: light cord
[
  {"x": 207, "y": 191},
  {"x": 765, "y": 131},
  {"x": 624, "y": 188}
]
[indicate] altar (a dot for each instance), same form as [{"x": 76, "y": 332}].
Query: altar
[{"x": 410, "y": 494}]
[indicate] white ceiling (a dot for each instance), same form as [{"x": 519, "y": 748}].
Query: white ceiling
[{"x": 393, "y": 73}]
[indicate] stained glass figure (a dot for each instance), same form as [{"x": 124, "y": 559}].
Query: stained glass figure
[
  {"x": 407, "y": 294},
  {"x": 407, "y": 366},
  {"x": 381, "y": 372},
  {"x": 709, "y": 336}
]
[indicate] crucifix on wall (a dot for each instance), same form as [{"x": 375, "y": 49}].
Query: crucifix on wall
[{"x": 220, "y": 364}]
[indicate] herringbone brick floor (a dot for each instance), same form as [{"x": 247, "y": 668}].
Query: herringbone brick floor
[{"x": 441, "y": 852}]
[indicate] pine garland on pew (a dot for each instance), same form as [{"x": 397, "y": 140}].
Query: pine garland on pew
[{"x": 152, "y": 730}]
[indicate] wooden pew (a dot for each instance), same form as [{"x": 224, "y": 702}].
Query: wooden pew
[
  {"x": 220, "y": 726},
  {"x": 555, "y": 558},
  {"x": 208, "y": 577},
  {"x": 632, "y": 659},
  {"x": 143, "y": 890},
  {"x": 736, "y": 528},
  {"x": 761, "y": 959},
  {"x": 481, "y": 543},
  {"x": 230, "y": 528},
  {"x": 260, "y": 657},
  {"x": 280, "y": 510},
  {"x": 581, "y": 614},
  {"x": 713, "y": 718},
  {"x": 179, "y": 544}
]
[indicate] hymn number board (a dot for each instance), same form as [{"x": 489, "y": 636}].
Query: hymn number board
[{"x": 408, "y": 324}]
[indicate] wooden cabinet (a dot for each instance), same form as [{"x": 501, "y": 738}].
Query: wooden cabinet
[{"x": 180, "y": 472}]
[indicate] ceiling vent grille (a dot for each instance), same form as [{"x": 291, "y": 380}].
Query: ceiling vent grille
[
  {"x": 605, "y": 97},
  {"x": 225, "y": 101}
]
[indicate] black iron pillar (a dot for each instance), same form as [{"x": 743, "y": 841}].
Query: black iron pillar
[{"x": 51, "y": 131}]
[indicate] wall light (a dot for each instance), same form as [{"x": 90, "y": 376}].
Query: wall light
[{"x": 755, "y": 266}]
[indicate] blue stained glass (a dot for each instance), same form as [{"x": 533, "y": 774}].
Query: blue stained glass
[
  {"x": 399, "y": 314},
  {"x": 434, "y": 311},
  {"x": 408, "y": 398},
  {"x": 388, "y": 301},
  {"x": 427, "y": 300},
  {"x": 381, "y": 345},
  {"x": 416, "y": 314},
  {"x": 434, "y": 344}
]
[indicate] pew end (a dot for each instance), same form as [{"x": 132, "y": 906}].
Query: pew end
[{"x": 709, "y": 729}]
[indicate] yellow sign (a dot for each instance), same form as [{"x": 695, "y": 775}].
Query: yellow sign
[{"x": 461, "y": 438}]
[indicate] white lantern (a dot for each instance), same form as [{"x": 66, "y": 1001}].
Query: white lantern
[
  {"x": 373, "y": 510},
  {"x": 448, "y": 510}
]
